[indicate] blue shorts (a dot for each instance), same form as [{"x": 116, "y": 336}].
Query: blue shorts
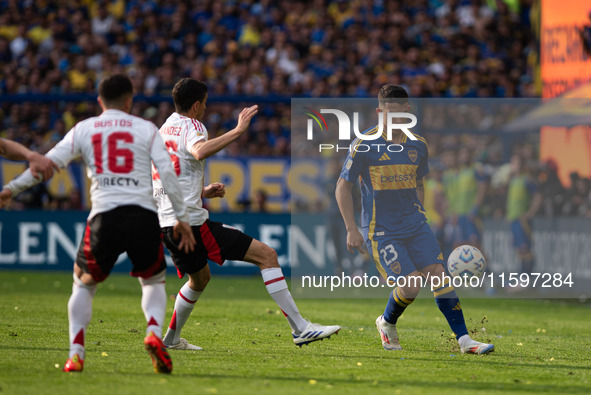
[
  {"x": 521, "y": 230},
  {"x": 398, "y": 257},
  {"x": 469, "y": 230}
]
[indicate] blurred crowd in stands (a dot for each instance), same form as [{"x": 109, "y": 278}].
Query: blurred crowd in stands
[
  {"x": 318, "y": 48},
  {"x": 454, "y": 155},
  {"x": 277, "y": 49},
  {"x": 484, "y": 155}
]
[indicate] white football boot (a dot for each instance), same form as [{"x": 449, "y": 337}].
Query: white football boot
[
  {"x": 388, "y": 334},
  {"x": 470, "y": 346},
  {"x": 183, "y": 344},
  {"x": 314, "y": 332}
]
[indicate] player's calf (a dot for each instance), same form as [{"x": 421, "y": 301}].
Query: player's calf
[
  {"x": 261, "y": 255},
  {"x": 183, "y": 306}
]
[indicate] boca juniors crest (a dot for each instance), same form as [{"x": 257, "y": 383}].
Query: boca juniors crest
[
  {"x": 412, "y": 154},
  {"x": 395, "y": 267}
]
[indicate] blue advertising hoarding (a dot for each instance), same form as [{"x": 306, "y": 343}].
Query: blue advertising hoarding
[{"x": 48, "y": 240}]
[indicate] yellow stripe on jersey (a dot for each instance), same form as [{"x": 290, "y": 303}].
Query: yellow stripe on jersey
[
  {"x": 358, "y": 141},
  {"x": 421, "y": 211},
  {"x": 372, "y": 229},
  {"x": 374, "y": 244},
  {"x": 354, "y": 144},
  {"x": 392, "y": 177},
  {"x": 420, "y": 138}
]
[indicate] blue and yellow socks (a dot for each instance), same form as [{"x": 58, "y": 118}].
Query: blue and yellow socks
[
  {"x": 396, "y": 306},
  {"x": 449, "y": 304}
]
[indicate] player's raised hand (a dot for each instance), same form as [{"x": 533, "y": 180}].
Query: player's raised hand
[
  {"x": 245, "y": 117},
  {"x": 355, "y": 241},
  {"x": 217, "y": 189},
  {"x": 5, "y": 196},
  {"x": 183, "y": 229},
  {"x": 42, "y": 166}
]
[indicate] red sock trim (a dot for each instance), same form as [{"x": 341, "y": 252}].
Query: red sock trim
[
  {"x": 185, "y": 299},
  {"x": 274, "y": 280},
  {"x": 79, "y": 339},
  {"x": 173, "y": 321},
  {"x": 152, "y": 322}
]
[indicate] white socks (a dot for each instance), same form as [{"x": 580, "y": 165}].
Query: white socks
[
  {"x": 80, "y": 309},
  {"x": 183, "y": 306},
  {"x": 79, "y": 314},
  {"x": 277, "y": 288},
  {"x": 154, "y": 302}
]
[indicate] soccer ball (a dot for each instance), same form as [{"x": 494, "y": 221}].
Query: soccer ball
[{"x": 466, "y": 260}]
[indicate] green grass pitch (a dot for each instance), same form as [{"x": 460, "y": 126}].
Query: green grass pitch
[{"x": 541, "y": 346}]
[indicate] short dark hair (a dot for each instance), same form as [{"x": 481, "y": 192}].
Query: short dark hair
[
  {"x": 391, "y": 93},
  {"x": 186, "y": 92},
  {"x": 115, "y": 88}
]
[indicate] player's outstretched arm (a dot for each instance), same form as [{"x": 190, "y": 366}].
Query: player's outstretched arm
[
  {"x": 5, "y": 197},
  {"x": 216, "y": 189},
  {"x": 345, "y": 203},
  {"x": 22, "y": 182},
  {"x": 204, "y": 149},
  {"x": 61, "y": 155},
  {"x": 39, "y": 164}
]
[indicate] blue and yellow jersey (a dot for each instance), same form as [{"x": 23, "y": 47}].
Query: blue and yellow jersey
[
  {"x": 519, "y": 195},
  {"x": 432, "y": 188},
  {"x": 388, "y": 181},
  {"x": 467, "y": 182},
  {"x": 450, "y": 190}
]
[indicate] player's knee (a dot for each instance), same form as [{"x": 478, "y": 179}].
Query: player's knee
[
  {"x": 205, "y": 279},
  {"x": 156, "y": 278},
  {"x": 409, "y": 291},
  {"x": 269, "y": 258},
  {"x": 198, "y": 281},
  {"x": 436, "y": 270},
  {"x": 84, "y": 280}
]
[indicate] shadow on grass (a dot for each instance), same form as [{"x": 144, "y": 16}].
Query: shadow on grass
[{"x": 515, "y": 386}]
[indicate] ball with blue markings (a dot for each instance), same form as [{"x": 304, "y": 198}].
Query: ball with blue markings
[{"x": 466, "y": 261}]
